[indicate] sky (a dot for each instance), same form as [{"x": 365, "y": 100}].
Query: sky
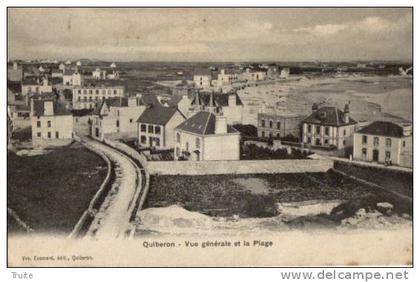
[{"x": 203, "y": 35}]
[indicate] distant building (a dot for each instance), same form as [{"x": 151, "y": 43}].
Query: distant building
[
  {"x": 284, "y": 73},
  {"x": 156, "y": 126},
  {"x": 206, "y": 137},
  {"x": 99, "y": 74},
  {"x": 35, "y": 85},
  {"x": 226, "y": 77},
  {"x": 113, "y": 65},
  {"x": 56, "y": 73},
  {"x": 254, "y": 74},
  {"x": 383, "y": 141},
  {"x": 117, "y": 117},
  {"x": 14, "y": 72},
  {"x": 202, "y": 78},
  {"x": 85, "y": 97},
  {"x": 228, "y": 104},
  {"x": 72, "y": 78},
  {"x": 51, "y": 123},
  {"x": 277, "y": 125},
  {"x": 328, "y": 126}
]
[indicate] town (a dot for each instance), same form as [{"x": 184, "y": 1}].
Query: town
[{"x": 250, "y": 136}]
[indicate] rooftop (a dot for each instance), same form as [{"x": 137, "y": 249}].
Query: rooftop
[
  {"x": 328, "y": 116},
  {"x": 155, "y": 114},
  {"x": 59, "y": 108},
  {"x": 202, "y": 123},
  {"x": 220, "y": 99},
  {"x": 383, "y": 128}
]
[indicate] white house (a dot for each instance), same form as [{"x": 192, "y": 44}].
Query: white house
[
  {"x": 254, "y": 74},
  {"x": 72, "y": 78},
  {"x": 226, "y": 77},
  {"x": 51, "y": 123},
  {"x": 156, "y": 126},
  {"x": 117, "y": 117},
  {"x": 30, "y": 86},
  {"x": 206, "y": 137},
  {"x": 202, "y": 78},
  {"x": 327, "y": 127},
  {"x": 228, "y": 104},
  {"x": 99, "y": 74},
  {"x": 85, "y": 97},
  {"x": 383, "y": 141}
]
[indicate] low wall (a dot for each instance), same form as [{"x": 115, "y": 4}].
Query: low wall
[{"x": 238, "y": 167}]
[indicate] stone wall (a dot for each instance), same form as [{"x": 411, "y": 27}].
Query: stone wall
[{"x": 237, "y": 167}]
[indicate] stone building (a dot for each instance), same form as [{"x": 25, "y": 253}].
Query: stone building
[
  {"x": 383, "y": 141},
  {"x": 205, "y": 137}
]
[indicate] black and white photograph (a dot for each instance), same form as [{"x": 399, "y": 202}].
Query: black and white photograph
[{"x": 209, "y": 137}]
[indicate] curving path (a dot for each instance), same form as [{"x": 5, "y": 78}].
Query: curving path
[{"x": 112, "y": 219}]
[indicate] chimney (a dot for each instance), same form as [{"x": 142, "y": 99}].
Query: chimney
[
  {"x": 221, "y": 125},
  {"x": 232, "y": 100},
  {"x": 407, "y": 129},
  {"x": 222, "y": 71},
  {"x": 346, "y": 113},
  {"x": 32, "y": 105},
  {"x": 48, "y": 108},
  {"x": 314, "y": 107}
]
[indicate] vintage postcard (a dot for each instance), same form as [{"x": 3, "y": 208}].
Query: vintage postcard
[{"x": 168, "y": 137}]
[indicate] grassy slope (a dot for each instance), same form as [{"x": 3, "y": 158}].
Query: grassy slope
[{"x": 50, "y": 192}]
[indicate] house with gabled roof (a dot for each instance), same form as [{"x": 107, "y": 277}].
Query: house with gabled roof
[
  {"x": 328, "y": 127},
  {"x": 384, "y": 142},
  {"x": 228, "y": 104},
  {"x": 155, "y": 126},
  {"x": 206, "y": 136},
  {"x": 52, "y": 123},
  {"x": 116, "y": 117}
]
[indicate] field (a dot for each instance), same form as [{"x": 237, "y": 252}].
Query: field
[
  {"x": 50, "y": 192},
  {"x": 257, "y": 195}
]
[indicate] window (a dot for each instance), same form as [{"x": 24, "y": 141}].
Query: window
[
  {"x": 84, "y": 91},
  {"x": 270, "y": 135},
  {"x": 84, "y": 98},
  {"x": 157, "y": 129},
  {"x": 388, "y": 142},
  {"x": 38, "y": 134},
  {"x": 403, "y": 143},
  {"x": 327, "y": 131},
  {"x": 49, "y": 123},
  {"x": 103, "y": 91},
  {"x": 278, "y": 135},
  {"x": 364, "y": 139},
  {"x": 157, "y": 142},
  {"x": 309, "y": 140},
  {"x": 49, "y": 134},
  {"x": 115, "y": 92},
  {"x": 344, "y": 142},
  {"x": 364, "y": 153},
  {"x": 79, "y": 91},
  {"x": 387, "y": 155},
  {"x": 309, "y": 128},
  {"x": 278, "y": 125},
  {"x": 57, "y": 135},
  {"x": 38, "y": 124},
  {"x": 97, "y": 91},
  {"x": 344, "y": 132},
  {"x": 90, "y": 91},
  {"x": 90, "y": 98},
  {"x": 263, "y": 123},
  {"x": 150, "y": 129},
  {"x": 143, "y": 128},
  {"x": 143, "y": 139},
  {"x": 178, "y": 138},
  {"x": 262, "y": 134},
  {"x": 318, "y": 142},
  {"x": 177, "y": 151},
  {"x": 187, "y": 146},
  {"x": 318, "y": 129},
  {"x": 376, "y": 141},
  {"x": 131, "y": 120},
  {"x": 271, "y": 124},
  {"x": 326, "y": 141},
  {"x": 118, "y": 123}
]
